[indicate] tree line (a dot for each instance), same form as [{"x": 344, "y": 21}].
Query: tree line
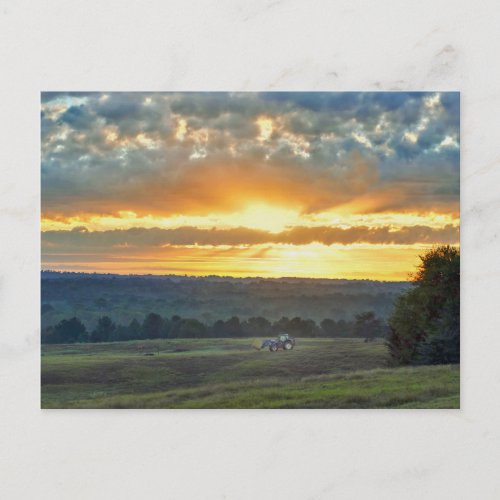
[
  {"x": 366, "y": 325},
  {"x": 207, "y": 299}
]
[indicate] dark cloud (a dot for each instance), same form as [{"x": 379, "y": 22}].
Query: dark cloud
[
  {"x": 77, "y": 117},
  {"x": 451, "y": 104},
  {"x": 316, "y": 101},
  {"x": 119, "y": 107},
  {"x": 82, "y": 241},
  {"x": 52, "y": 96}
]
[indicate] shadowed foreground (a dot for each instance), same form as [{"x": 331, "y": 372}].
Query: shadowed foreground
[{"x": 229, "y": 373}]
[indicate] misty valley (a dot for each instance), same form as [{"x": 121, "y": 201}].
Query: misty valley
[{"x": 125, "y": 298}]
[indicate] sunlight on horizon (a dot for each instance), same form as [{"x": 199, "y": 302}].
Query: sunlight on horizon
[
  {"x": 376, "y": 262},
  {"x": 311, "y": 184}
]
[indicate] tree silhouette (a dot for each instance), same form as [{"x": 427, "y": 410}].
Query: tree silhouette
[
  {"x": 368, "y": 325},
  {"x": 425, "y": 324},
  {"x": 69, "y": 331},
  {"x": 152, "y": 326},
  {"x": 104, "y": 330}
]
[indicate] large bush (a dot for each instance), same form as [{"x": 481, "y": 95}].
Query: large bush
[{"x": 425, "y": 324}]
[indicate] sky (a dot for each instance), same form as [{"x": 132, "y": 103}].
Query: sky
[{"x": 349, "y": 185}]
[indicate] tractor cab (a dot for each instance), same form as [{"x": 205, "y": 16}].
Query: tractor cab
[{"x": 283, "y": 337}]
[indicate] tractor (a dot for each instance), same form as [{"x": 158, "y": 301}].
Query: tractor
[{"x": 283, "y": 341}]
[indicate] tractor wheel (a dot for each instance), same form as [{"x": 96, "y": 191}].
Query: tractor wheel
[
  {"x": 273, "y": 348},
  {"x": 288, "y": 346}
]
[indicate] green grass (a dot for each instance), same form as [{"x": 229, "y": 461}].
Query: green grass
[{"x": 229, "y": 373}]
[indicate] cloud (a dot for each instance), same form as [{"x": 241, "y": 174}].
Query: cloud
[
  {"x": 407, "y": 235},
  {"x": 218, "y": 186},
  {"x": 107, "y": 152},
  {"x": 52, "y": 96},
  {"x": 81, "y": 241}
]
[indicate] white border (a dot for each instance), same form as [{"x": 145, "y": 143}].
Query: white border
[{"x": 242, "y": 45}]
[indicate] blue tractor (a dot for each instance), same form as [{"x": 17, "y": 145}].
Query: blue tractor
[{"x": 283, "y": 341}]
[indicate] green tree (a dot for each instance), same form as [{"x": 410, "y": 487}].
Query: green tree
[
  {"x": 69, "y": 331},
  {"x": 328, "y": 327},
  {"x": 175, "y": 323},
  {"x": 218, "y": 329},
  {"x": 232, "y": 327},
  {"x": 282, "y": 325},
  {"x": 48, "y": 335},
  {"x": 165, "y": 329},
  {"x": 256, "y": 327},
  {"x": 121, "y": 333},
  {"x": 134, "y": 330},
  {"x": 152, "y": 326},
  {"x": 297, "y": 326},
  {"x": 191, "y": 328},
  {"x": 344, "y": 328},
  {"x": 367, "y": 325},
  {"x": 425, "y": 323},
  {"x": 104, "y": 330}
]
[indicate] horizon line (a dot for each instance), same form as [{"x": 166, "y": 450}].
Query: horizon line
[{"x": 218, "y": 276}]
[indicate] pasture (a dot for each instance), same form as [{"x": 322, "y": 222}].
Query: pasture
[{"x": 230, "y": 373}]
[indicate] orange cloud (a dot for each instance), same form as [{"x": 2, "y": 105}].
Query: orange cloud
[
  {"x": 406, "y": 197},
  {"x": 203, "y": 187}
]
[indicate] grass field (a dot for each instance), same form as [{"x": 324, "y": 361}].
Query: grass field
[{"x": 229, "y": 373}]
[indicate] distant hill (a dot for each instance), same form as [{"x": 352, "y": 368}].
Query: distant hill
[{"x": 125, "y": 297}]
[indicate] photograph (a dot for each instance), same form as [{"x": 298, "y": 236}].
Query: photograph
[{"x": 250, "y": 250}]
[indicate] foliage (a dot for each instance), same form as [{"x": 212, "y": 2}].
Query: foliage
[
  {"x": 68, "y": 331},
  {"x": 368, "y": 325},
  {"x": 154, "y": 327},
  {"x": 123, "y": 298},
  {"x": 305, "y": 327},
  {"x": 104, "y": 330},
  {"x": 135, "y": 329},
  {"x": 256, "y": 326},
  {"x": 425, "y": 324},
  {"x": 191, "y": 328}
]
